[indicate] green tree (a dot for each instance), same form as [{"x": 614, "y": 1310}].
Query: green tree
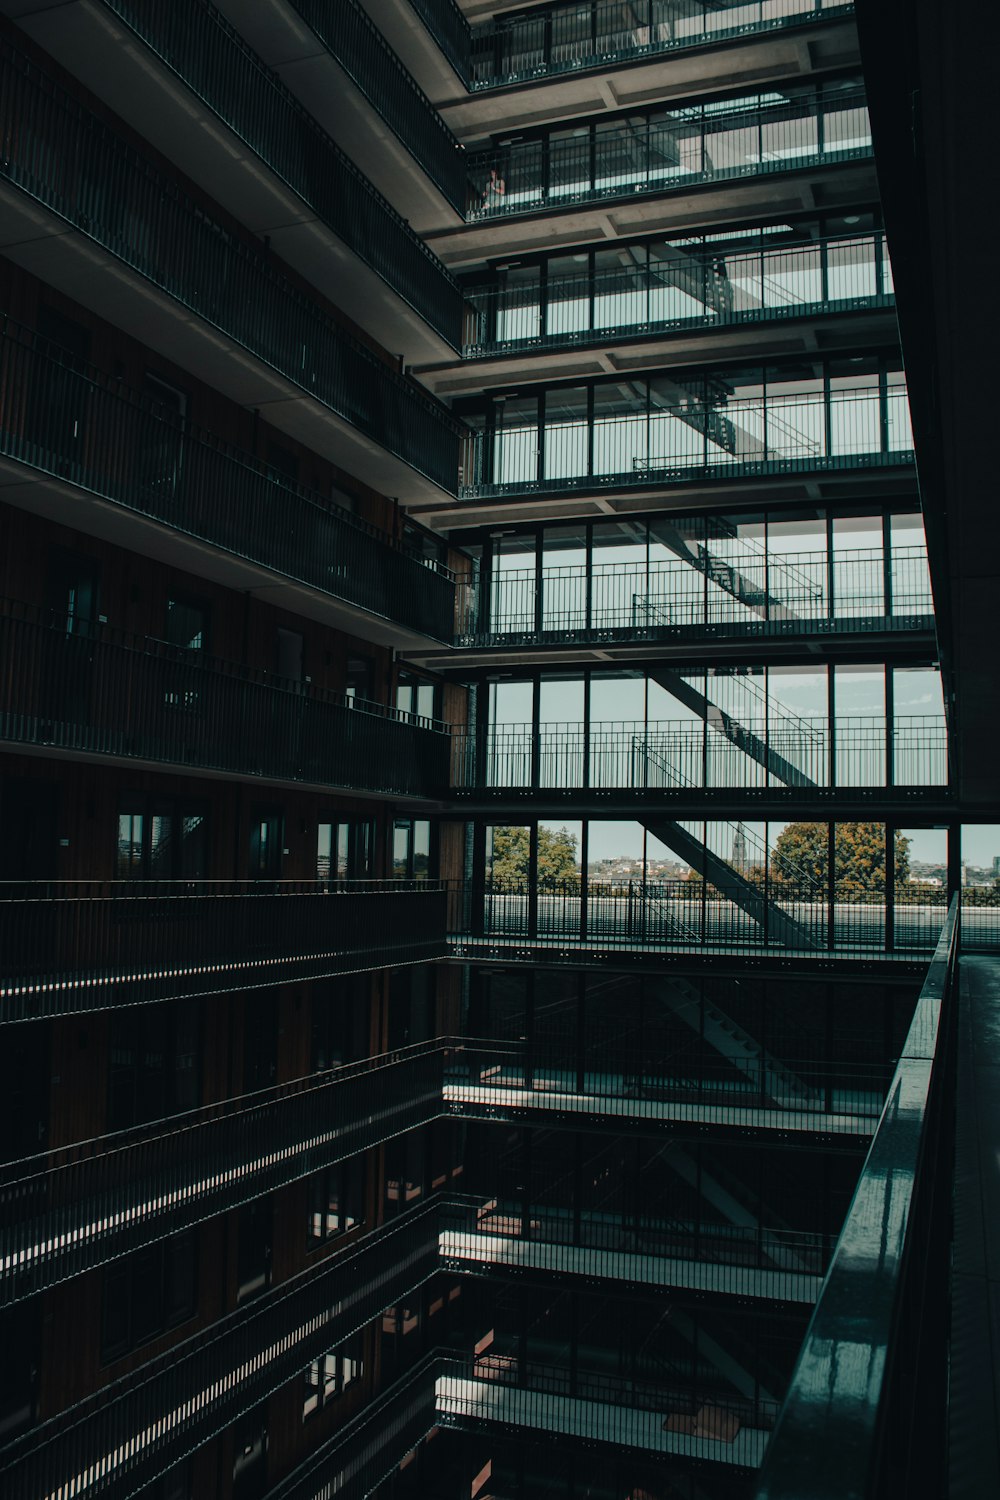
[
  {"x": 799, "y": 857},
  {"x": 557, "y": 857}
]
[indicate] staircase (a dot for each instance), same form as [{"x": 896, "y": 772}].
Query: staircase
[
  {"x": 774, "y": 1080},
  {"x": 744, "y": 739},
  {"x": 782, "y": 928}
]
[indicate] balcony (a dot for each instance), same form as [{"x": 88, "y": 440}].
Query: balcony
[
  {"x": 621, "y": 175},
  {"x": 675, "y": 1421},
  {"x": 535, "y": 44},
  {"x": 795, "y": 129},
  {"x": 665, "y": 297},
  {"x": 358, "y": 45},
  {"x": 72, "y": 946},
  {"x": 118, "y": 1441},
  {"x": 200, "y": 74},
  {"x": 739, "y": 1092},
  {"x": 74, "y": 442},
  {"x": 713, "y": 759},
  {"x": 338, "y": 63},
  {"x": 123, "y": 237},
  {"x": 650, "y": 924},
  {"x": 735, "y": 592},
  {"x": 685, "y": 429},
  {"x": 710, "y": 1260},
  {"x": 79, "y": 1206},
  {"x": 98, "y": 691}
]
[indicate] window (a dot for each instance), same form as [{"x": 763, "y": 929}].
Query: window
[
  {"x": 147, "y": 1293},
  {"x": 267, "y": 828},
  {"x": 255, "y": 1233},
  {"x": 187, "y": 624},
  {"x": 411, "y": 849},
  {"x": 161, "y": 840},
  {"x": 334, "y": 1202},
  {"x": 186, "y": 628},
  {"x": 414, "y": 696},
  {"x": 360, "y": 678},
  {"x": 328, "y": 1377},
  {"x": 339, "y": 1016},
  {"x": 344, "y": 851},
  {"x": 153, "y": 1063}
]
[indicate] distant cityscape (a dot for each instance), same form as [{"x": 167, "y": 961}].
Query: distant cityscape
[{"x": 624, "y": 867}]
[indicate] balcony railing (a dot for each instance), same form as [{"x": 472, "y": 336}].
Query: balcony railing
[
  {"x": 857, "y": 1414},
  {"x": 722, "y": 141},
  {"x": 93, "y": 433},
  {"x": 99, "y": 691},
  {"x": 627, "y": 1413},
  {"x": 691, "y": 917},
  {"x": 70, "y": 946},
  {"x": 452, "y": 32},
  {"x": 61, "y": 155},
  {"x": 718, "y": 753},
  {"x": 557, "y": 39},
  {"x": 487, "y": 1080},
  {"x": 198, "y": 43},
  {"x": 642, "y": 601},
  {"x": 119, "y": 1440},
  {"x": 696, "y": 289},
  {"x": 361, "y": 50},
  {"x": 679, "y": 441},
  {"x": 78, "y": 1206},
  {"x": 750, "y": 1262}
]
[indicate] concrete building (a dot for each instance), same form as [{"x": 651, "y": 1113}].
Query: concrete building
[{"x": 451, "y": 458}]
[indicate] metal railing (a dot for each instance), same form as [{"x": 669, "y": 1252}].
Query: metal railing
[
  {"x": 101, "y": 691},
  {"x": 449, "y": 28},
  {"x": 511, "y": 1392},
  {"x": 980, "y": 927},
  {"x": 81, "y": 1205},
  {"x": 712, "y": 1259},
  {"x": 92, "y": 432},
  {"x": 536, "y": 43},
  {"x": 362, "y": 51},
  {"x": 880, "y": 1328},
  {"x": 491, "y": 1080},
  {"x": 70, "y": 946},
  {"x": 696, "y": 144},
  {"x": 365, "y": 1450},
  {"x": 84, "y": 1204},
  {"x": 120, "y": 1439},
  {"x": 682, "y": 439},
  {"x": 699, "y": 287},
  {"x": 722, "y": 751},
  {"x": 692, "y": 917},
  {"x": 61, "y": 155},
  {"x": 636, "y": 600},
  {"x": 198, "y": 43}
]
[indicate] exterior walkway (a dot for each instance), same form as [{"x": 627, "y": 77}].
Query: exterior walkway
[{"x": 974, "y": 1378}]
